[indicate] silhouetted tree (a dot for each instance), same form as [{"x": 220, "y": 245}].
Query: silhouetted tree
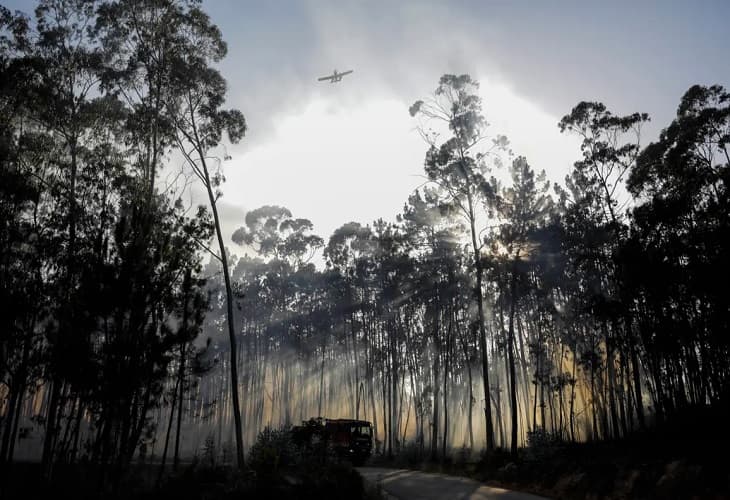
[
  {"x": 610, "y": 146},
  {"x": 458, "y": 167},
  {"x": 677, "y": 251},
  {"x": 525, "y": 207},
  {"x": 199, "y": 122}
]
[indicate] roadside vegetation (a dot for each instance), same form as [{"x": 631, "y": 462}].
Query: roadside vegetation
[
  {"x": 661, "y": 463},
  {"x": 276, "y": 468}
]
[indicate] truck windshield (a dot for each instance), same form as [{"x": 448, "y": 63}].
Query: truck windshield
[{"x": 360, "y": 430}]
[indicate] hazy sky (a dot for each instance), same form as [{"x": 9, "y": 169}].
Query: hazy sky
[{"x": 348, "y": 151}]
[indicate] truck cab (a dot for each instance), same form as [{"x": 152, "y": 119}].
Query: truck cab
[{"x": 351, "y": 439}]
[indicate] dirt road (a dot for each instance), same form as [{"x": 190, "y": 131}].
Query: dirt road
[{"x": 404, "y": 484}]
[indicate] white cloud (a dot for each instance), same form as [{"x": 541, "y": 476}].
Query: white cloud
[
  {"x": 332, "y": 163},
  {"x": 533, "y": 132},
  {"x": 348, "y": 157}
]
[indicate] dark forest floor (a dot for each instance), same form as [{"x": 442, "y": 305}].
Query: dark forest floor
[
  {"x": 22, "y": 481},
  {"x": 688, "y": 457}
]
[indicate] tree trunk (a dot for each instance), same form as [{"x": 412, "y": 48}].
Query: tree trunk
[
  {"x": 436, "y": 395},
  {"x": 167, "y": 434},
  {"x": 50, "y": 434},
  {"x": 511, "y": 355},
  {"x": 230, "y": 319},
  {"x": 321, "y": 379},
  {"x": 470, "y": 403},
  {"x": 482, "y": 331},
  {"x": 447, "y": 353},
  {"x": 638, "y": 401},
  {"x": 485, "y": 362},
  {"x": 180, "y": 397}
]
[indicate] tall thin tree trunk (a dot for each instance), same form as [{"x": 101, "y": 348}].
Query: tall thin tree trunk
[
  {"x": 436, "y": 377},
  {"x": 167, "y": 434},
  {"x": 470, "y": 404},
  {"x": 482, "y": 330},
  {"x": 8, "y": 422},
  {"x": 321, "y": 379},
  {"x": 638, "y": 401},
  {"x": 180, "y": 397},
  {"x": 229, "y": 308},
  {"x": 511, "y": 355},
  {"x": 50, "y": 434},
  {"x": 447, "y": 354},
  {"x": 573, "y": 382},
  {"x": 611, "y": 379}
]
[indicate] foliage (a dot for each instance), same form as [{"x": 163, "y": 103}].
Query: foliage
[
  {"x": 273, "y": 453},
  {"x": 542, "y": 444},
  {"x": 283, "y": 468}
]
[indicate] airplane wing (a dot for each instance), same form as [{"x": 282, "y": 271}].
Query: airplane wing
[
  {"x": 325, "y": 78},
  {"x": 345, "y": 72}
]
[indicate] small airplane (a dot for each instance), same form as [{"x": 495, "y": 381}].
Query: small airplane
[{"x": 335, "y": 76}]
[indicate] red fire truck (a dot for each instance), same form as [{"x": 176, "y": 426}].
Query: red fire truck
[{"x": 347, "y": 438}]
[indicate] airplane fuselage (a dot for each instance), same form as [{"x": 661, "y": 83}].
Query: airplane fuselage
[{"x": 335, "y": 76}]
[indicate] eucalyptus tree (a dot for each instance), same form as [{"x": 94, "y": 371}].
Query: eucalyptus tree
[
  {"x": 555, "y": 284},
  {"x": 421, "y": 218},
  {"x": 348, "y": 299},
  {"x": 432, "y": 234},
  {"x": 349, "y": 253},
  {"x": 112, "y": 287},
  {"x": 186, "y": 46},
  {"x": 141, "y": 288},
  {"x": 161, "y": 61},
  {"x": 288, "y": 244},
  {"x": 18, "y": 195},
  {"x": 146, "y": 43},
  {"x": 255, "y": 308},
  {"x": 610, "y": 146},
  {"x": 273, "y": 232},
  {"x": 459, "y": 167},
  {"x": 66, "y": 107},
  {"x": 677, "y": 251},
  {"x": 119, "y": 239},
  {"x": 393, "y": 273},
  {"x": 524, "y": 208},
  {"x": 18, "y": 282},
  {"x": 193, "y": 305}
]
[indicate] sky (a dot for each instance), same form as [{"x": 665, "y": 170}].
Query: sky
[{"x": 349, "y": 151}]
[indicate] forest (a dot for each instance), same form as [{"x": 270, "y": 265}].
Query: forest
[{"x": 496, "y": 310}]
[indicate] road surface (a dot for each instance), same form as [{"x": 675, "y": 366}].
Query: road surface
[{"x": 404, "y": 484}]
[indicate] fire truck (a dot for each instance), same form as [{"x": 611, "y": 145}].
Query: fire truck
[{"x": 348, "y": 438}]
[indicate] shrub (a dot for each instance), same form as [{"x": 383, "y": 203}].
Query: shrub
[
  {"x": 311, "y": 470},
  {"x": 272, "y": 453},
  {"x": 411, "y": 455},
  {"x": 542, "y": 445},
  {"x": 209, "y": 451},
  {"x": 463, "y": 457},
  {"x": 490, "y": 462}
]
